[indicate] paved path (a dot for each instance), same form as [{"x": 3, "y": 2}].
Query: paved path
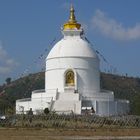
[
  {"x": 70, "y": 138},
  {"x": 97, "y": 138}
]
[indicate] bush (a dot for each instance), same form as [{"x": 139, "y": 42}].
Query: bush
[{"x": 46, "y": 111}]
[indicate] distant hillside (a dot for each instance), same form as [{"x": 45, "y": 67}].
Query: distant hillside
[
  {"x": 123, "y": 87},
  {"x": 20, "y": 88}
]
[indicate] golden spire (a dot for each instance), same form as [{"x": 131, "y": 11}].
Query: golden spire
[
  {"x": 72, "y": 23},
  {"x": 72, "y": 16}
]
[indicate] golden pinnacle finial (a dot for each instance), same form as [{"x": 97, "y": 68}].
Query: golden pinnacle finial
[
  {"x": 72, "y": 23},
  {"x": 72, "y": 16}
]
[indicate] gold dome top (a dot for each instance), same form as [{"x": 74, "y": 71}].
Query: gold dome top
[{"x": 72, "y": 23}]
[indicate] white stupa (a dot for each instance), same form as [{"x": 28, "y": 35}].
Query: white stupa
[{"x": 72, "y": 79}]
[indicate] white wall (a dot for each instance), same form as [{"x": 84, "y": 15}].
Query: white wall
[
  {"x": 67, "y": 107},
  {"x": 107, "y": 108},
  {"x": 87, "y": 69}
]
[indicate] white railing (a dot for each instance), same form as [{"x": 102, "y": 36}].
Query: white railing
[
  {"x": 24, "y": 100},
  {"x": 106, "y": 91},
  {"x": 123, "y": 100},
  {"x": 38, "y": 91}
]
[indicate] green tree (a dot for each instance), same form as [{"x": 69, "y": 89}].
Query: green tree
[{"x": 8, "y": 80}]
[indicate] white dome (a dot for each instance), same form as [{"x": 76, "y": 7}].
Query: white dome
[{"x": 72, "y": 47}]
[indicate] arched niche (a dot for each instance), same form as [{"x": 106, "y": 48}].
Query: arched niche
[{"x": 69, "y": 78}]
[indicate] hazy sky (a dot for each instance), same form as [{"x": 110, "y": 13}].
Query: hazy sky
[{"x": 28, "y": 28}]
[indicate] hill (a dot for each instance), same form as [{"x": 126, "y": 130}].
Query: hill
[{"x": 123, "y": 87}]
